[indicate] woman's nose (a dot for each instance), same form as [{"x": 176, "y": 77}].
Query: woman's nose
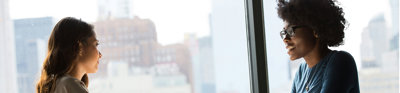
[{"x": 286, "y": 39}]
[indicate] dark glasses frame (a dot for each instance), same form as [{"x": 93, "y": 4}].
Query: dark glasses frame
[{"x": 289, "y": 31}]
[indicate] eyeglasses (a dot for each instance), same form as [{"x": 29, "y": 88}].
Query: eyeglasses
[{"x": 289, "y": 31}]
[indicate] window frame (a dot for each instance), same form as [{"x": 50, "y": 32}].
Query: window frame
[{"x": 256, "y": 46}]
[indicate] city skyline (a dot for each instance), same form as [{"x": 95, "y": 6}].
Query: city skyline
[
  {"x": 196, "y": 12},
  {"x": 145, "y": 9},
  {"x": 31, "y": 35},
  {"x": 380, "y": 63},
  {"x": 192, "y": 55}
]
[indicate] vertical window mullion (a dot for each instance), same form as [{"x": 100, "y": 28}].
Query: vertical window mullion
[{"x": 256, "y": 45}]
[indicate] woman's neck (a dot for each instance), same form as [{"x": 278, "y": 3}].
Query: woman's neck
[
  {"x": 316, "y": 55},
  {"x": 77, "y": 73}
]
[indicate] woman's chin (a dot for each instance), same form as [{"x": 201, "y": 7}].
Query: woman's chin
[{"x": 293, "y": 57}]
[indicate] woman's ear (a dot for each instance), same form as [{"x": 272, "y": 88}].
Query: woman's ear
[
  {"x": 315, "y": 34},
  {"x": 81, "y": 50}
]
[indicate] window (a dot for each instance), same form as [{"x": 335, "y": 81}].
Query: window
[
  {"x": 372, "y": 38},
  {"x": 148, "y": 46}
]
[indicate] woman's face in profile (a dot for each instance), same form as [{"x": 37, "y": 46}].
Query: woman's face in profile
[
  {"x": 301, "y": 43},
  {"x": 91, "y": 56}
]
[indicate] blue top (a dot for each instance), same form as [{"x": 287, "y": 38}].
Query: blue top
[{"x": 335, "y": 73}]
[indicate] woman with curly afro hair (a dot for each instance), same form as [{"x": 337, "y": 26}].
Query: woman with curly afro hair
[{"x": 311, "y": 26}]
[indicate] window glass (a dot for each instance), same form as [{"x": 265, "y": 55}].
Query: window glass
[
  {"x": 148, "y": 46},
  {"x": 372, "y": 38}
]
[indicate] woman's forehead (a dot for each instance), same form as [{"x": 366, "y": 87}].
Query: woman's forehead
[
  {"x": 93, "y": 38},
  {"x": 287, "y": 24}
]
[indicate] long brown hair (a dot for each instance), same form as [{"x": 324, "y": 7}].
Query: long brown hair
[{"x": 63, "y": 49}]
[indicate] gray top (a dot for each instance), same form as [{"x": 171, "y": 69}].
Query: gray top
[{"x": 69, "y": 84}]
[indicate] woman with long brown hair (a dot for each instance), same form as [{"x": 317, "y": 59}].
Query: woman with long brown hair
[{"x": 72, "y": 54}]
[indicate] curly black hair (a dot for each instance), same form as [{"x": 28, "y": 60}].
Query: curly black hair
[{"x": 325, "y": 17}]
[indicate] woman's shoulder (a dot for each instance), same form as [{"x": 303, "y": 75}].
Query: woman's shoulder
[
  {"x": 341, "y": 59},
  {"x": 69, "y": 84},
  {"x": 342, "y": 53},
  {"x": 69, "y": 80},
  {"x": 342, "y": 56}
]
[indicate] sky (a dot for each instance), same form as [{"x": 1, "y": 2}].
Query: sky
[
  {"x": 174, "y": 18},
  {"x": 85, "y": 9}
]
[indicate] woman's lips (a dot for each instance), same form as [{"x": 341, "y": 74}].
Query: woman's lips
[{"x": 290, "y": 49}]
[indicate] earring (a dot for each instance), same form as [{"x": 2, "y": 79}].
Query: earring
[{"x": 316, "y": 35}]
